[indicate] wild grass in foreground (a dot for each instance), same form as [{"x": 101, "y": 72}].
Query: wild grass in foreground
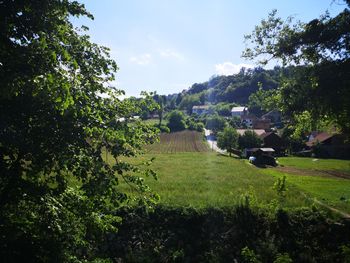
[{"x": 212, "y": 180}]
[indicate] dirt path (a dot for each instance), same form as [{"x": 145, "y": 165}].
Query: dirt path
[
  {"x": 342, "y": 213},
  {"x": 304, "y": 172}
]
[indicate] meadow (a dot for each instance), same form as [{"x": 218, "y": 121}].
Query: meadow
[{"x": 191, "y": 175}]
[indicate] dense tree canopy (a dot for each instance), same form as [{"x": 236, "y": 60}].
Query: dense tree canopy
[
  {"x": 228, "y": 140},
  {"x": 249, "y": 140},
  {"x": 215, "y": 123},
  {"x": 58, "y": 183},
  {"x": 176, "y": 121},
  {"x": 321, "y": 50}
]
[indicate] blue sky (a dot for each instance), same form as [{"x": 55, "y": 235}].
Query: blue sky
[{"x": 167, "y": 45}]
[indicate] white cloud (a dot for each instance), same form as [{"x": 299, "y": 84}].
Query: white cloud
[
  {"x": 228, "y": 68},
  {"x": 143, "y": 59},
  {"x": 169, "y": 53}
]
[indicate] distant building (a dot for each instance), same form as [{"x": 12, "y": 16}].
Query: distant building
[
  {"x": 273, "y": 140},
  {"x": 328, "y": 145},
  {"x": 264, "y": 124},
  {"x": 257, "y": 151},
  {"x": 258, "y": 132},
  {"x": 248, "y": 119},
  {"x": 239, "y": 111},
  {"x": 200, "y": 109}
]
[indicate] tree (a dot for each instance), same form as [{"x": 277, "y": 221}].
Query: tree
[
  {"x": 228, "y": 140},
  {"x": 60, "y": 140},
  {"x": 249, "y": 140},
  {"x": 161, "y": 101},
  {"x": 215, "y": 123},
  {"x": 176, "y": 121},
  {"x": 321, "y": 52}
]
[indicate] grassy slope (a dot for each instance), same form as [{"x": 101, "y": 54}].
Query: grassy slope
[
  {"x": 332, "y": 191},
  {"x": 316, "y": 164},
  {"x": 202, "y": 179},
  {"x": 210, "y": 179}
]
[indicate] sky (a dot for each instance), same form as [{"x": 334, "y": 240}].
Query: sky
[{"x": 168, "y": 45}]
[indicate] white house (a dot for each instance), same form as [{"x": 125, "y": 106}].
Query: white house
[
  {"x": 239, "y": 111},
  {"x": 200, "y": 109}
]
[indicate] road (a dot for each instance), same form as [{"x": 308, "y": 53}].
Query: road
[{"x": 211, "y": 139}]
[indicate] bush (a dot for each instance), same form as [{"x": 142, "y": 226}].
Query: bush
[
  {"x": 237, "y": 234},
  {"x": 176, "y": 121},
  {"x": 163, "y": 128}
]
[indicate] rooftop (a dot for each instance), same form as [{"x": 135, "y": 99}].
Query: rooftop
[{"x": 239, "y": 109}]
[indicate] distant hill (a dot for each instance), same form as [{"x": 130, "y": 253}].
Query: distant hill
[{"x": 233, "y": 89}]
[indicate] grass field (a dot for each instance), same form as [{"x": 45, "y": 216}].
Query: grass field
[
  {"x": 316, "y": 164},
  {"x": 191, "y": 175},
  {"x": 201, "y": 179}
]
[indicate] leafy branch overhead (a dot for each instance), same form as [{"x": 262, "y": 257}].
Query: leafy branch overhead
[
  {"x": 318, "y": 56},
  {"x": 63, "y": 134}
]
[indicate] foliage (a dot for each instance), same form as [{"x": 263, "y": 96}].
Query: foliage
[
  {"x": 283, "y": 258},
  {"x": 235, "y": 122},
  {"x": 228, "y": 140},
  {"x": 222, "y": 91},
  {"x": 224, "y": 109},
  {"x": 321, "y": 46},
  {"x": 239, "y": 234},
  {"x": 176, "y": 121},
  {"x": 281, "y": 188},
  {"x": 264, "y": 100},
  {"x": 215, "y": 123},
  {"x": 58, "y": 118},
  {"x": 161, "y": 101},
  {"x": 249, "y": 140},
  {"x": 188, "y": 101},
  {"x": 193, "y": 125},
  {"x": 249, "y": 256}
]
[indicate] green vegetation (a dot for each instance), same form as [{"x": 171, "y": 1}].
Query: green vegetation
[
  {"x": 213, "y": 180},
  {"x": 316, "y": 164},
  {"x": 228, "y": 140},
  {"x": 249, "y": 140},
  {"x": 318, "y": 49},
  {"x": 176, "y": 121},
  {"x": 215, "y": 123},
  {"x": 237, "y": 234},
  {"x": 68, "y": 170},
  {"x": 55, "y": 126},
  {"x": 331, "y": 191}
]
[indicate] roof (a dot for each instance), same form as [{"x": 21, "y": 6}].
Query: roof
[
  {"x": 321, "y": 137},
  {"x": 239, "y": 109},
  {"x": 267, "y": 149},
  {"x": 203, "y": 107},
  {"x": 260, "y": 149},
  {"x": 266, "y": 134},
  {"x": 259, "y": 132}
]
